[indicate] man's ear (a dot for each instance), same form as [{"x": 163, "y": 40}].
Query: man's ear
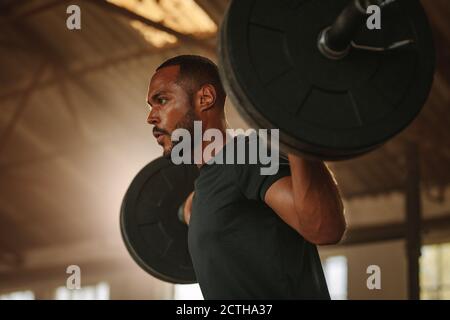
[{"x": 206, "y": 97}]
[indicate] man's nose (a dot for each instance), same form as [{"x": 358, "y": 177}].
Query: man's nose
[{"x": 152, "y": 117}]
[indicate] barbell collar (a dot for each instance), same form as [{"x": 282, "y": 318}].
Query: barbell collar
[{"x": 335, "y": 41}]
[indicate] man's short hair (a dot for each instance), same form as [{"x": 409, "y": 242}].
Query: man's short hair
[{"x": 196, "y": 71}]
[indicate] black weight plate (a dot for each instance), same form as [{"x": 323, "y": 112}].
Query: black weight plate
[
  {"x": 152, "y": 233},
  {"x": 277, "y": 78}
]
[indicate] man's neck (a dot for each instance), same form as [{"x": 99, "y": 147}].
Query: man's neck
[{"x": 217, "y": 148}]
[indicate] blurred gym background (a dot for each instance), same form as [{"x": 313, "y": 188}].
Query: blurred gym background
[{"x": 73, "y": 134}]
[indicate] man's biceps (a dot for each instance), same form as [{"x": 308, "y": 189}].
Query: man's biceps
[{"x": 279, "y": 191}]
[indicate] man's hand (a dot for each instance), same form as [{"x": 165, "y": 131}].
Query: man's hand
[{"x": 188, "y": 208}]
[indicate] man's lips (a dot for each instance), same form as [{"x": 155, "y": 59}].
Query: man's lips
[{"x": 159, "y": 136}]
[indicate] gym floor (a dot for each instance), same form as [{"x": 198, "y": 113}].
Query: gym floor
[{"x": 73, "y": 134}]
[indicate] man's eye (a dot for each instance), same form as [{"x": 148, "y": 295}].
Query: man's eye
[{"x": 162, "y": 100}]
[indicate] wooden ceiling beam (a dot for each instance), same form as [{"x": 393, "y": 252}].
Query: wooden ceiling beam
[{"x": 186, "y": 38}]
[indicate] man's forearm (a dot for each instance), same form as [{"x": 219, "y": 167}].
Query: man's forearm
[{"x": 317, "y": 201}]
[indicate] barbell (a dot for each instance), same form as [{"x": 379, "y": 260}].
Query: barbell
[
  {"x": 313, "y": 70},
  {"x": 275, "y": 71},
  {"x": 150, "y": 227}
]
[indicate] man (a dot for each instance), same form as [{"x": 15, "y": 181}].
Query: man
[{"x": 250, "y": 236}]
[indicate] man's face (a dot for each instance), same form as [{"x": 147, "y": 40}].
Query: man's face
[{"x": 170, "y": 107}]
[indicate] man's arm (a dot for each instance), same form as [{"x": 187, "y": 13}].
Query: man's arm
[{"x": 309, "y": 201}]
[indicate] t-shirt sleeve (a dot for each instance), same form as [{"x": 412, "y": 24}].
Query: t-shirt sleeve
[{"x": 253, "y": 183}]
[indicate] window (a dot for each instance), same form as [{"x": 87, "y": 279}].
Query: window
[
  {"x": 97, "y": 292},
  {"x": 188, "y": 292},
  {"x": 335, "y": 269},
  {"x": 18, "y": 295},
  {"x": 435, "y": 272}
]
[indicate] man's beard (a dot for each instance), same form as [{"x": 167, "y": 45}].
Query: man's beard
[{"x": 187, "y": 122}]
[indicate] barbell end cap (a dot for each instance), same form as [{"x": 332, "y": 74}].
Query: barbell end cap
[{"x": 327, "y": 51}]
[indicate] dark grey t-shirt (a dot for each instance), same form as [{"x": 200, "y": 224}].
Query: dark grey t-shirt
[{"x": 240, "y": 248}]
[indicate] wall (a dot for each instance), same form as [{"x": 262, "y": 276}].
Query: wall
[{"x": 389, "y": 256}]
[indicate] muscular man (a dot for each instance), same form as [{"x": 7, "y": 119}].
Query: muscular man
[{"x": 251, "y": 236}]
